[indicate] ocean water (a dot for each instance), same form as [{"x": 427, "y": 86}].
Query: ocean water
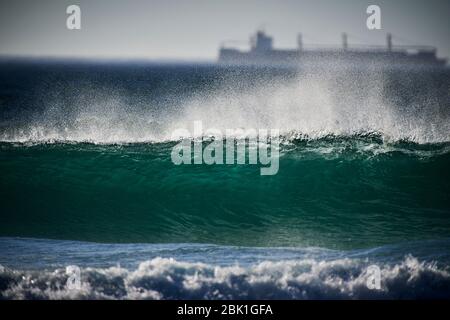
[{"x": 87, "y": 180}]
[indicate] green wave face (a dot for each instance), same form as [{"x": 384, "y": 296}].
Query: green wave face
[
  {"x": 364, "y": 158},
  {"x": 334, "y": 192}
]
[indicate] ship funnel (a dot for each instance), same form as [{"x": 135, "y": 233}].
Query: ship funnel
[{"x": 300, "y": 42}]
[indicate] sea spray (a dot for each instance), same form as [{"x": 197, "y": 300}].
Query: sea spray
[{"x": 343, "y": 102}]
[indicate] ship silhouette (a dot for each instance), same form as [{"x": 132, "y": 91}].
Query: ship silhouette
[{"x": 263, "y": 53}]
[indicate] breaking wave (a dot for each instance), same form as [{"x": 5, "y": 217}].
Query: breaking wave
[
  {"x": 409, "y": 270},
  {"x": 163, "y": 278}
]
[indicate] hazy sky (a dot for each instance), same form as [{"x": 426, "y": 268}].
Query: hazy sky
[{"x": 194, "y": 29}]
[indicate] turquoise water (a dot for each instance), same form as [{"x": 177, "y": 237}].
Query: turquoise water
[{"x": 342, "y": 193}]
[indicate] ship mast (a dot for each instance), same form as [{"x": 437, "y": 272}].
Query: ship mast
[{"x": 344, "y": 41}]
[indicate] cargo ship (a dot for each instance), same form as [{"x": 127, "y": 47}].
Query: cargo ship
[{"x": 263, "y": 53}]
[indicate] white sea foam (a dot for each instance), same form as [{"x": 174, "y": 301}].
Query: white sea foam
[{"x": 163, "y": 278}]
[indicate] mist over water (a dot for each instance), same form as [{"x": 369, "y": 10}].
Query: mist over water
[{"x": 115, "y": 104}]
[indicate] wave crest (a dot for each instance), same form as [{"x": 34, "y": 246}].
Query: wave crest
[{"x": 313, "y": 105}]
